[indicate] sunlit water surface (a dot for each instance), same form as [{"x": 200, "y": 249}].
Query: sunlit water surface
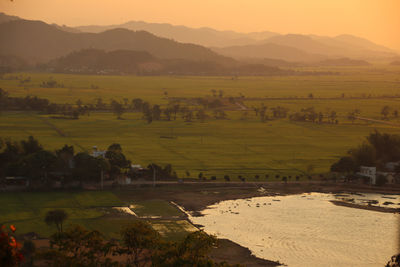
[{"x": 305, "y": 230}]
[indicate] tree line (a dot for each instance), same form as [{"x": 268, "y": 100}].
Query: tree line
[
  {"x": 28, "y": 158},
  {"x": 377, "y": 150}
]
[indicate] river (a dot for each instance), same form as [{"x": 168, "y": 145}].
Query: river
[{"x": 306, "y": 230}]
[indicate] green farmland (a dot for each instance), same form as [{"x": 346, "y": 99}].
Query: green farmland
[
  {"x": 92, "y": 210},
  {"x": 233, "y": 146}
]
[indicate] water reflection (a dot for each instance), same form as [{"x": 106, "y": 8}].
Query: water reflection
[{"x": 306, "y": 230}]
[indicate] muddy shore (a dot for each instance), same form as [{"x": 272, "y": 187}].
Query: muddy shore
[
  {"x": 197, "y": 197},
  {"x": 365, "y": 207}
]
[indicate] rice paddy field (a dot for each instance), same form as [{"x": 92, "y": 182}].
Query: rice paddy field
[
  {"x": 234, "y": 146},
  {"x": 92, "y": 210}
]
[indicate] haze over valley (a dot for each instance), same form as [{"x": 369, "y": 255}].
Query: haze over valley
[{"x": 199, "y": 133}]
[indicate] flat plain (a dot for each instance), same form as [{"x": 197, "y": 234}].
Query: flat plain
[{"x": 233, "y": 146}]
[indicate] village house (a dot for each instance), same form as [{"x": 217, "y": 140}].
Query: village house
[
  {"x": 373, "y": 174},
  {"x": 369, "y": 172},
  {"x": 98, "y": 153}
]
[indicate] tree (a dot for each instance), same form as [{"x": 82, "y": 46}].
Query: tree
[
  {"x": 115, "y": 148},
  {"x": 193, "y": 251},
  {"x": 175, "y": 110},
  {"x": 332, "y": 116},
  {"x": 156, "y": 112},
  {"x": 65, "y": 156},
  {"x": 116, "y": 159},
  {"x": 78, "y": 247},
  {"x": 364, "y": 155},
  {"x": 345, "y": 164},
  {"x": 385, "y": 112},
  {"x": 100, "y": 104},
  {"x": 31, "y": 145},
  {"x": 88, "y": 168},
  {"x": 138, "y": 238},
  {"x": 117, "y": 108},
  {"x": 352, "y": 116},
  {"x": 38, "y": 164},
  {"x": 137, "y": 104},
  {"x": 56, "y": 217},
  {"x": 79, "y": 103}
]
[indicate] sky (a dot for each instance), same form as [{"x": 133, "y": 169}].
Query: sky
[{"x": 376, "y": 20}]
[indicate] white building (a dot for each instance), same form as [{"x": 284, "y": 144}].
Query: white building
[
  {"x": 98, "y": 153},
  {"x": 369, "y": 172}
]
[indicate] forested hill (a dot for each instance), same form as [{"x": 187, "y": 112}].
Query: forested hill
[
  {"x": 95, "y": 61},
  {"x": 38, "y": 42}
]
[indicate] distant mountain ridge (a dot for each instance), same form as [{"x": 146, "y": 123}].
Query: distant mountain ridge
[
  {"x": 38, "y": 42},
  {"x": 227, "y": 42},
  {"x": 202, "y": 36},
  {"x": 270, "y": 51},
  {"x": 295, "y": 47},
  {"x": 6, "y": 18}
]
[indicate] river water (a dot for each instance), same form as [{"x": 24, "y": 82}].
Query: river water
[{"x": 305, "y": 230}]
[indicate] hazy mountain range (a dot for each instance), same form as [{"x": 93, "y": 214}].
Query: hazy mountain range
[
  {"x": 266, "y": 44},
  {"x": 37, "y": 42},
  {"x": 202, "y": 36}
]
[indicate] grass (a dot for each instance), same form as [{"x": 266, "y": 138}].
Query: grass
[
  {"x": 215, "y": 147},
  {"x": 27, "y": 210},
  {"x": 155, "y": 208}
]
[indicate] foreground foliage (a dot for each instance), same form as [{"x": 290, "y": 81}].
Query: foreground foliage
[{"x": 141, "y": 245}]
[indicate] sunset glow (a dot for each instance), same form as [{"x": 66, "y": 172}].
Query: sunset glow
[{"x": 376, "y": 20}]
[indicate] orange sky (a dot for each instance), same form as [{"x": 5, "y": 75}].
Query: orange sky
[{"x": 377, "y": 20}]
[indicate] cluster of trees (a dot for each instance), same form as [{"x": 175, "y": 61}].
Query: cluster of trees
[
  {"x": 262, "y": 112},
  {"x": 377, "y": 150},
  {"x": 311, "y": 115},
  {"x": 140, "y": 245},
  {"x": 389, "y": 112},
  {"x": 51, "y": 83},
  {"x": 28, "y": 158},
  {"x": 34, "y": 103}
]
